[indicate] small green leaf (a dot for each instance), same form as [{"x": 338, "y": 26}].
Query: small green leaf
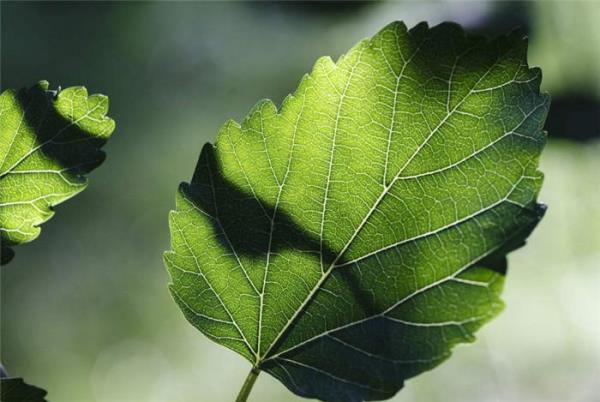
[
  {"x": 349, "y": 240},
  {"x": 49, "y": 140},
  {"x": 17, "y": 390}
]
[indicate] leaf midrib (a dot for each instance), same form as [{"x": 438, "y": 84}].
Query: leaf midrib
[
  {"x": 385, "y": 191},
  {"x": 423, "y": 289}
]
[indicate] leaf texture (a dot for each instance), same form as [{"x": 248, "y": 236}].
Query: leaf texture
[
  {"x": 347, "y": 241},
  {"x": 49, "y": 140}
]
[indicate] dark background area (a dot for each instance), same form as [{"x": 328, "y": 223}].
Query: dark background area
[{"x": 85, "y": 308}]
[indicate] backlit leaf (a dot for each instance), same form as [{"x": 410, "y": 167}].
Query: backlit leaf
[
  {"x": 49, "y": 140},
  {"x": 347, "y": 241}
]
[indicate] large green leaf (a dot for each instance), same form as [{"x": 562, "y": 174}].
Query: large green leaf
[
  {"x": 349, "y": 240},
  {"x": 14, "y": 389},
  {"x": 48, "y": 141}
]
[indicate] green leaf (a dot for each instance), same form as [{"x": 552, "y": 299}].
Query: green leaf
[
  {"x": 17, "y": 390},
  {"x": 349, "y": 240},
  {"x": 49, "y": 140}
]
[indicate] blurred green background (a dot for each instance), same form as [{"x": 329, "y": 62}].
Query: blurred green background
[{"x": 85, "y": 308}]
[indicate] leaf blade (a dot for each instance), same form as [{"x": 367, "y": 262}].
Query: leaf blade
[
  {"x": 49, "y": 140},
  {"x": 412, "y": 159}
]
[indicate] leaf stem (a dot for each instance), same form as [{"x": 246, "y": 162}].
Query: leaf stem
[{"x": 248, "y": 384}]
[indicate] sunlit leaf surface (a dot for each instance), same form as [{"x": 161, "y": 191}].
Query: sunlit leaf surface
[
  {"x": 49, "y": 140},
  {"x": 347, "y": 241}
]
